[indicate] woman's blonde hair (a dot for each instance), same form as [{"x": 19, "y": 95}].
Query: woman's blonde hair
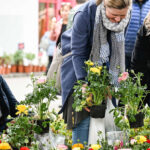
[
  {"x": 147, "y": 23},
  {"x": 118, "y": 4}
]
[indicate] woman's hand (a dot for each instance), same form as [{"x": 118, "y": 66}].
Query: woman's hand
[{"x": 83, "y": 92}]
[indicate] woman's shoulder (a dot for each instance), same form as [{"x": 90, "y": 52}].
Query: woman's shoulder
[{"x": 88, "y": 6}]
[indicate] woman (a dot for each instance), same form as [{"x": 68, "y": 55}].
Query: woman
[
  {"x": 98, "y": 31},
  {"x": 59, "y": 27},
  {"x": 140, "y": 61}
]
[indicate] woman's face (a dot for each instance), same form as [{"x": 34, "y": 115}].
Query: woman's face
[
  {"x": 64, "y": 12},
  {"x": 116, "y": 15}
]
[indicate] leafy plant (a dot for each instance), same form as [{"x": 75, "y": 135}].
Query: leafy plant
[
  {"x": 7, "y": 58},
  {"x": 59, "y": 127},
  {"x": 30, "y": 56},
  {"x": 131, "y": 94},
  {"x": 43, "y": 93},
  {"x": 97, "y": 87},
  {"x": 18, "y": 57},
  {"x": 21, "y": 131}
]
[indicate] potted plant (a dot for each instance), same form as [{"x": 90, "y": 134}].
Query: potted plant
[
  {"x": 18, "y": 60},
  {"x": 30, "y": 57},
  {"x": 39, "y": 99},
  {"x": 59, "y": 130},
  {"x": 21, "y": 132},
  {"x": 7, "y": 60},
  {"x": 131, "y": 95},
  {"x": 97, "y": 89}
]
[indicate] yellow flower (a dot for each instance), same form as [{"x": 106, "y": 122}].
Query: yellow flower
[
  {"x": 95, "y": 146},
  {"x": 95, "y": 70},
  {"x": 140, "y": 139},
  {"x": 100, "y": 67},
  {"x": 5, "y": 146},
  {"x": 21, "y": 109},
  {"x": 89, "y": 63},
  {"x": 78, "y": 145},
  {"x": 76, "y": 148}
]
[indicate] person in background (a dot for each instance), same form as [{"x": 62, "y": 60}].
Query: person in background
[
  {"x": 7, "y": 104},
  {"x": 60, "y": 26},
  {"x": 73, "y": 11},
  {"x": 98, "y": 31},
  {"x": 140, "y": 9},
  {"x": 48, "y": 45},
  {"x": 140, "y": 61}
]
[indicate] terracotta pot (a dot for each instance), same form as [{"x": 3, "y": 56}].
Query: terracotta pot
[
  {"x": 38, "y": 68},
  {"x": 43, "y": 68},
  {"x": 2, "y": 70},
  {"x": 14, "y": 68},
  {"x": 139, "y": 121},
  {"x": 28, "y": 69},
  {"x": 20, "y": 68},
  {"x": 7, "y": 70},
  {"x": 98, "y": 111}
]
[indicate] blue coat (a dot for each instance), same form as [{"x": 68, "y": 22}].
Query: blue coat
[
  {"x": 137, "y": 17},
  {"x": 7, "y": 103},
  {"x": 78, "y": 40}
]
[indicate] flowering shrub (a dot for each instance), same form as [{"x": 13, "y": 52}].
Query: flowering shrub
[
  {"x": 80, "y": 146},
  {"x": 139, "y": 142},
  {"x": 131, "y": 95},
  {"x": 41, "y": 96},
  {"x": 97, "y": 85},
  {"x": 20, "y": 132}
]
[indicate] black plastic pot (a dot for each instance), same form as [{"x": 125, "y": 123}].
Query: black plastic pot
[
  {"x": 139, "y": 121},
  {"x": 43, "y": 125},
  {"x": 14, "y": 148},
  {"x": 98, "y": 111}
]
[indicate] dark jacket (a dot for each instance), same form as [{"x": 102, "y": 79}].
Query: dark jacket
[
  {"x": 78, "y": 39},
  {"x": 139, "y": 12},
  {"x": 141, "y": 58},
  {"x": 7, "y": 102}
]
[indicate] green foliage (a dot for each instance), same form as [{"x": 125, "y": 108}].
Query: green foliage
[
  {"x": 18, "y": 57},
  {"x": 20, "y": 133},
  {"x": 41, "y": 96},
  {"x": 30, "y": 57},
  {"x": 131, "y": 94},
  {"x": 97, "y": 87},
  {"x": 7, "y": 58},
  {"x": 59, "y": 127}
]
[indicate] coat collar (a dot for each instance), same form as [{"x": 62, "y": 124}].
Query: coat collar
[{"x": 137, "y": 1}]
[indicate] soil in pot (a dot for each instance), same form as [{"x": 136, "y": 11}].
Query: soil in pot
[
  {"x": 42, "y": 126},
  {"x": 98, "y": 111},
  {"x": 139, "y": 121}
]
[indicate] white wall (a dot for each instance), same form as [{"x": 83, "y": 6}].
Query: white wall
[{"x": 18, "y": 24}]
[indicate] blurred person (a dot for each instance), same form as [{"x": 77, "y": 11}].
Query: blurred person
[
  {"x": 73, "y": 11},
  {"x": 47, "y": 44},
  {"x": 140, "y": 61},
  {"x": 60, "y": 26},
  {"x": 140, "y": 9},
  {"x": 7, "y": 105},
  {"x": 97, "y": 34}
]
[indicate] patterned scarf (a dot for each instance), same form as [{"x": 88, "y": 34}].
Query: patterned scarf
[{"x": 101, "y": 50}]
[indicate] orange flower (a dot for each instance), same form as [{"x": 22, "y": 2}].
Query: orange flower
[{"x": 78, "y": 145}]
